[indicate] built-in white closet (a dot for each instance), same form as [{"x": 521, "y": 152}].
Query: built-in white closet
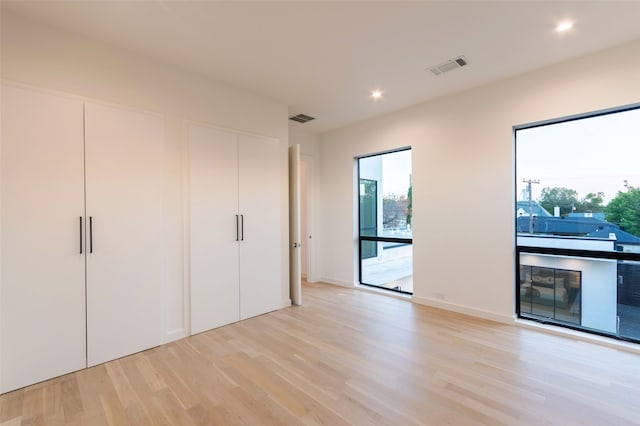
[
  {"x": 82, "y": 231},
  {"x": 235, "y": 239},
  {"x": 126, "y": 257}
]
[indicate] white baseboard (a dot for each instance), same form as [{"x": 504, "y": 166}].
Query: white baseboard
[
  {"x": 461, "y": 309},
  {"x": 285, "y": 303},
  {"x": 177, "y": 334},
  {"x": 310, "y": 278},
  {"x": 335, "y": 281}
]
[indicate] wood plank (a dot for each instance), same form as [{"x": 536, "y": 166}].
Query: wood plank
[
  {"x": 347, "y": 357},
  {"x": 11, "y": 406}
]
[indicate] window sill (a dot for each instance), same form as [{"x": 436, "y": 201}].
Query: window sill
[{"x": 578, "y": 335}]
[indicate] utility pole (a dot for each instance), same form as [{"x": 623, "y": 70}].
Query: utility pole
[{"x": 529, "y": 182}]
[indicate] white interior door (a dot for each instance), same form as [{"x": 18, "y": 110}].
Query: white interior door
[
  {"x": 42, "y": 291},
  {"x": 215, "y": 228},
  {"x": 260, "y": 209},
  {"x": 124, "y": 201},
  {"x": 295, "y": 240}
]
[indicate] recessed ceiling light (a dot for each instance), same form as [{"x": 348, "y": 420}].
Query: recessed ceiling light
[
  {"x": 564, "y": 26},
  {"x": 376, "y": 94}
]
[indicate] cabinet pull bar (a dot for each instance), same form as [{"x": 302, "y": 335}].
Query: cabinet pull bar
[
  {"x": 241, "y": 227},
  {"x": 80, "y": 234},
  {"x": 90, "y": 234},
  {"x": 237, "y": 229}
]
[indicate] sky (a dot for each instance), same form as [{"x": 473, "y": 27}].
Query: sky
[
  {"x": 589, "y": 155},
  {"x": 396, "y": 169}
]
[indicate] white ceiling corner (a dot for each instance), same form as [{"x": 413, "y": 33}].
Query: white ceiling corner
[{"x": 323, "y": 58}]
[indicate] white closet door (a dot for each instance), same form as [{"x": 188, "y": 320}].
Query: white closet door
[
  {"x": 215, "y": 228},
  {"x": 42, "y": 285},
  {"x": 125, "y": 263},
  {"x": 260, "y": 204}
]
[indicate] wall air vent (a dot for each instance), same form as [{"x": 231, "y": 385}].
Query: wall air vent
[
  {"x": 301, "y": 118},
  {"x": 450, "y": 65}
]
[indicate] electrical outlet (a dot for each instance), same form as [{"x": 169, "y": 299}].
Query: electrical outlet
[{"x": 440, "y": 296}]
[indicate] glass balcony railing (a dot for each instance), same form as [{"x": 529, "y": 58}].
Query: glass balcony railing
[{"x": 392, "y": 268}]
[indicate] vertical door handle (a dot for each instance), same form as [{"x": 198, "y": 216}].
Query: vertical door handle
[
  {"x": 80, "y": 234},
  {"x": 90, "y": 234},
  {"x": 237, "y": 228},
  {"x": 241, "y": 227}
]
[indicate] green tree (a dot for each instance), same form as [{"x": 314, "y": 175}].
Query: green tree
[
  {"x": 394, "y": 210},
  {"x": 565, "y": 198},
  {"x": 410, "y": 205},
  {"x": 624, "y": 210},
  {"x": 592, "y": 202}
]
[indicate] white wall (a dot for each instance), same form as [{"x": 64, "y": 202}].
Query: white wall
[
  {"x": 463, "y": 171},
  {"x": 304, "y": 219},
  {"x": 44, "y": 57},
  {"x": 308, "y": 141},
  {"x": 569, "y": 243}
]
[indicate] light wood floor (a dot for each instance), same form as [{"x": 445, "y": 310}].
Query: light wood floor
[{"x": 347, "y": 357}]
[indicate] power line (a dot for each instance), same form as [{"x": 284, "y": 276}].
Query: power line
[{"x": 529, "y": 182}]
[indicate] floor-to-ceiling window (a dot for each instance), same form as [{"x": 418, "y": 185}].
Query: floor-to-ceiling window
[
  {"x": 577, "y": 216},
  {"x": 385, "y": 220}
]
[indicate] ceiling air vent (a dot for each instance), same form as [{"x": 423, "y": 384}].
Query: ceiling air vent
[
  {"x": 450, "y": 65},
  {"x": 301, "y": 118}
]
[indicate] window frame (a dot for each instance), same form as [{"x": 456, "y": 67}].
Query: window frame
[
  {"x": 362, "y": 238},
  {"x": 580, "y": 253}
]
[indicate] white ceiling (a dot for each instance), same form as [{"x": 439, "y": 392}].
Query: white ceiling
[{"x": 322, "y": 58}]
